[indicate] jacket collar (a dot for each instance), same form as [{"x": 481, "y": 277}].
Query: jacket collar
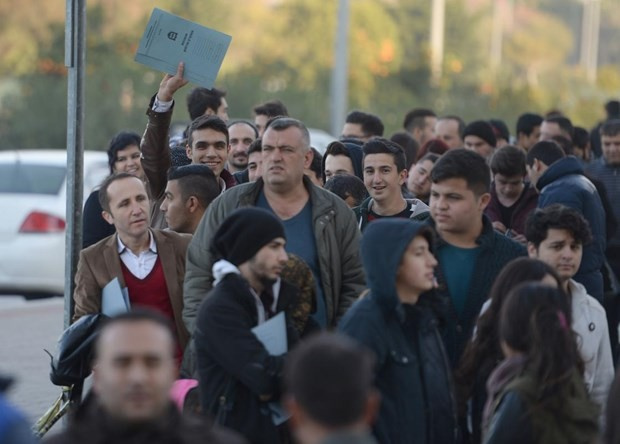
[
  {"x": 562, "y": 167},
  {"x": 485, "y": 239}
]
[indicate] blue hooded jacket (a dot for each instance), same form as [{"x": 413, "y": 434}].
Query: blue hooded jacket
[
  {"x": 356, "y": 155},
  {"x": 412, "y": 372}
]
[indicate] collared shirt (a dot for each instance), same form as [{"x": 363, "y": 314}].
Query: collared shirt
[
  {"x": 161, "y": 107},
  {"x": 141, "y": 265},
  {"x": 260, "y": 308}
]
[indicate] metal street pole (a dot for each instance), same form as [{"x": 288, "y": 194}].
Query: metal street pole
[
  {"x": 438, "y": 22},
  {"x": 75, "y": 56},
  {"x": 497, "y": 34},
  {"x": 339, "y": 83}
]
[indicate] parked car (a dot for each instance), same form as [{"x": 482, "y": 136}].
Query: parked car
[
  {"x": 32, "y": 217},
  {"x": 320, "y": 139}
]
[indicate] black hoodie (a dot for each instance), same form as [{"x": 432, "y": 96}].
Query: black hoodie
[{"x": 413, "y": 372}]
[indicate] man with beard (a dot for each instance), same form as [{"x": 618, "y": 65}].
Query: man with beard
[
  {"x": 241, "y": 134},
  {"x": 238, "y": 377}
]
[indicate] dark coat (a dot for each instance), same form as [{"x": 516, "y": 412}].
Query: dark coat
[
  {"x": 564, "y": 183},
  {"x": 412, "y": 370},
  {"x": 523, "y": 207},
  {"x": 94, "y": 226},
  {"x": 496, "y": 250},
  {"x": 100, "y": 263},
  {"x": 90, "y": 424},
  {"x": 234, "y": 368},
  {"x": 566, "y": 417}
]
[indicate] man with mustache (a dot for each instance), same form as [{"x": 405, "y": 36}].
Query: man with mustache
[{"x": 149, "y": 262}]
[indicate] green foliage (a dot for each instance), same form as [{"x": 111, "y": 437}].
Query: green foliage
[{"x": 284, "y": 49}]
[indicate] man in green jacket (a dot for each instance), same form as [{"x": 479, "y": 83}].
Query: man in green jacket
[{"x": 319, "y": 226}]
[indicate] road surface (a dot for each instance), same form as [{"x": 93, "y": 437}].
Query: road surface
[{"x": 26, "y": 329}]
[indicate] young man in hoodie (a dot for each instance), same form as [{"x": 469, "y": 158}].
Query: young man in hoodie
[
  {"x": 397, "y": 321},
  {"x": 238, "y": 376},
  {"x": 385, "y": 172},
  {"x": 342, "y": 158}
]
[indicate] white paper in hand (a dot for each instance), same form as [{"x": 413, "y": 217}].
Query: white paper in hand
[
  {"x": 272, "y": 334},
  {"x": 114, "y": 299}
]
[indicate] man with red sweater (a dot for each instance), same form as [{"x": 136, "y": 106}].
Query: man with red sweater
[{"x": 149, "y": 262}]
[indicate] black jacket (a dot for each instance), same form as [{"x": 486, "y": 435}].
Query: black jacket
[
  {"x": 234, "y": 368},
  {"x": 496, "y": 250},
  {"x": 91, "y": 424},
  {"x": 412, "y": 372}
]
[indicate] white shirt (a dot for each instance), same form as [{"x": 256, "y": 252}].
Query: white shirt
[
  {"x": 161, "y": 107},
  {"x": 260, "y": 308},
  {"x": 141, "y": 265}
]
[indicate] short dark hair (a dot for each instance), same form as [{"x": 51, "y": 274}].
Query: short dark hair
[
  {"x": 271, "y": 108},
  {"x": 500, "y": 129},
  {"x": 196, "y": 180},
  {"x": 204, "y": 122},
  {"x": 527, "y": 122},
  {"x": 409, "y": 145},
  {"x": 416, "y": 118},
  {"x": 559, "y": 217},
  {"x": 120, "y": 141},
  {"x": 612, "y": 108},
  {"x": 347, "y": 185},
  {"x": 104, "y": 199},
  {"x": 508, "y": 161},
  {"x": 337, "y": 148},
  {"x": 463, "y": 164},
  {"x": 563, "y": 122},
  {"x": 330, "y": 376},
  {"x": 317, "y": 162},
  {"x": 135, "y": 316},
  {"x": 547, "y": 151},
  {"x": 256, "y": 146},
  {"x": 244, "y": 122},
  {"x": 383, "y": 146},
  {"x": 284, "y": 123},
  {"x": 581, "y": 137},
  {"x": 371, "y": 124},
  {"x": 199, "y": 100},
  {"x": 610, "y": 128},
  {"x": 565, "y": 143},
  {"x": 458, "y": 120}
]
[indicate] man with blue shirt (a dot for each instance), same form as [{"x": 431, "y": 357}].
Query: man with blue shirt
[
  {"x": 319, "y": 226},
  {"x": 470, "y": 252}
]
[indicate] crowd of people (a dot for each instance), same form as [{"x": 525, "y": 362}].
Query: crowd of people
[{"x": 450, "y": 284}]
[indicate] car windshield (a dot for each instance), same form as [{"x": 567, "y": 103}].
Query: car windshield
[{"x": 31, "y": 179}]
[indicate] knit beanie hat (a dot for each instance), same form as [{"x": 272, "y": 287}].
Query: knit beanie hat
[
  {"x": 482, "y": 129},
  {"x": 244, "y": 233}
]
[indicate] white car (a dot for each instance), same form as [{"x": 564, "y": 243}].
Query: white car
[
  {"x": 320, "y": 139},
  {"x": 32, "y": 217}
]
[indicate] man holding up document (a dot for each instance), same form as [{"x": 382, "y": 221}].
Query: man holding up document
[
  {"x": 149, "y": 263},
  {"x": 241, "y": 334}
]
